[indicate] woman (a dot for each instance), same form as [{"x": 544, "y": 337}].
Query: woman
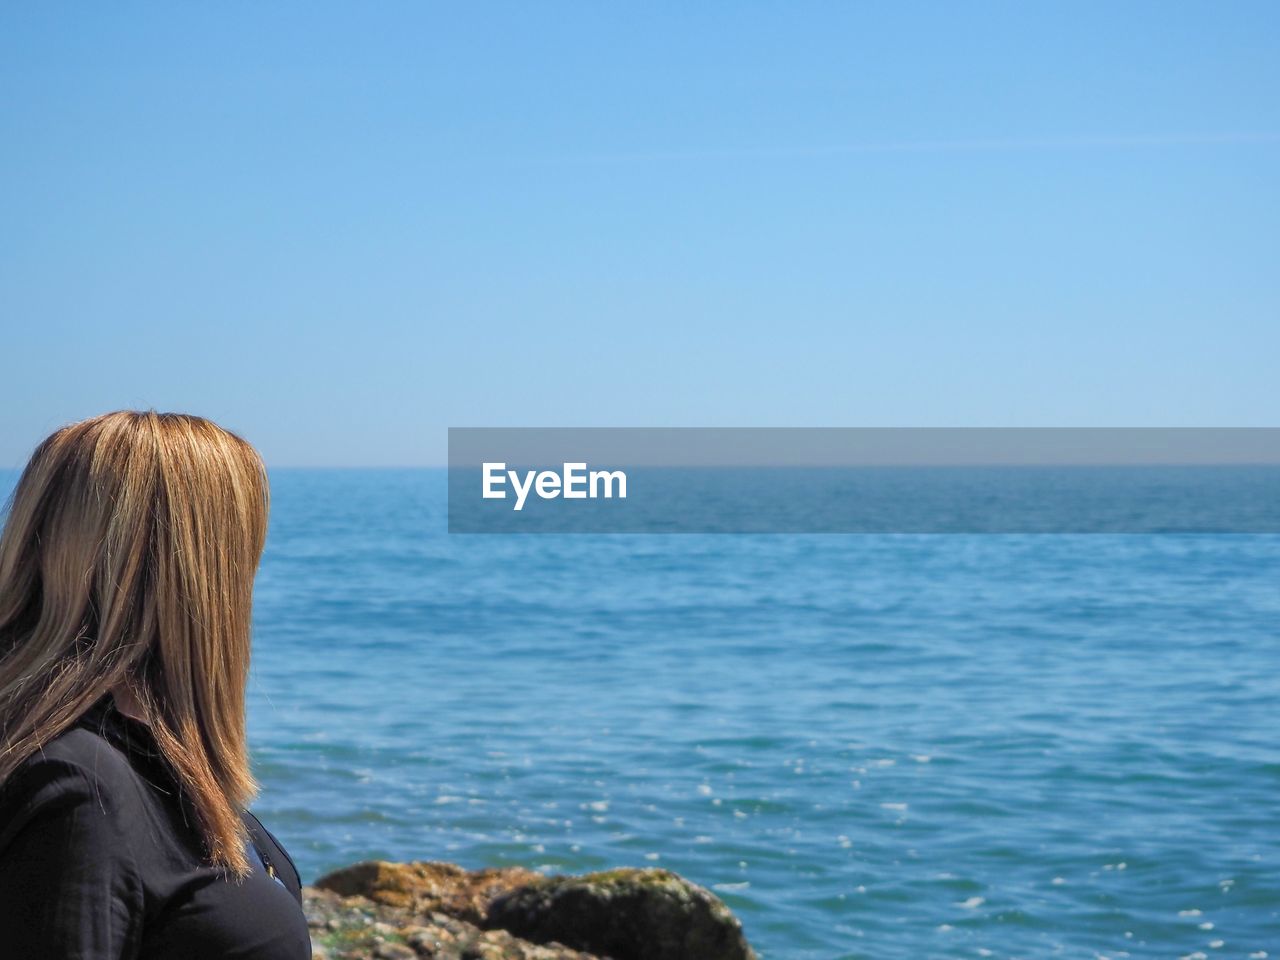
[{"x": 126, "y": 580}]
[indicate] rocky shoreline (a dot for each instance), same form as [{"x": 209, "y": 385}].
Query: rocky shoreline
[{"x": 431, "y": 910}]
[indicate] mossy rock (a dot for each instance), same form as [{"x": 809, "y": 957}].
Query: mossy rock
[
  {"x": 426, "y": 886},
  {"x": 356, "y": 928},
  {"x": 625, "y": 914}
]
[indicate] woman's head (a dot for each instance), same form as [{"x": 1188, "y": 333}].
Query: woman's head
[{"x": 128, "y": 559}]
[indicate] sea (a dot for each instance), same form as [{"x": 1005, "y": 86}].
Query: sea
[{"x": 869, "y": 746}]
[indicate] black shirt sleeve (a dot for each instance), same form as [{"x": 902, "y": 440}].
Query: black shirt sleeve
[{"x": 69, "y": 886}]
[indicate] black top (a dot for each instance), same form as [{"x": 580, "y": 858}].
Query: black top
[{"x": 100, "y": 859}]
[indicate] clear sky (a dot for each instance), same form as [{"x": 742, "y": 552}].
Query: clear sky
[{"x": 342, "y": 228}]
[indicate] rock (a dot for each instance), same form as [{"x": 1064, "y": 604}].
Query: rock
[
  {"x": 628, "y": 914},
  {"x": 438, "y": 911},
  {"x": 426, "y": 886},
  {"x": 342, "y": 928}
]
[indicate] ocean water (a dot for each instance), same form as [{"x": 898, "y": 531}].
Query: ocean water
[{"x": 869, "y": 746}]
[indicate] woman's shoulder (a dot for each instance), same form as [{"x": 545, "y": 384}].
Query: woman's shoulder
[
  {"x": 99, "y": 755},
  {"x": 76, "y": 763},
  {"x": 77, "y": 784}
]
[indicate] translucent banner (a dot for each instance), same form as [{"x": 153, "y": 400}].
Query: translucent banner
[{"x": 864, "y": 480}]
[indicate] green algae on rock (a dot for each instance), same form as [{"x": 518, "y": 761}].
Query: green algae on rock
[{"x": 357, "y": 928}]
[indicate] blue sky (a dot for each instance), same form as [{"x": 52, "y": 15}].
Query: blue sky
[{"x": 342, "y": 228}]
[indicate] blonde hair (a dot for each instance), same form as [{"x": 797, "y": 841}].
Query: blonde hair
[{"x": 128, "y": 558}]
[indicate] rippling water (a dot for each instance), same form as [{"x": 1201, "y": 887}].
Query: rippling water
[{"x": 869, "y": 746}]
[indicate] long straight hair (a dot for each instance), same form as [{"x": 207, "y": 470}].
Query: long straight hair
[{"x": 128, "y": 558}]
